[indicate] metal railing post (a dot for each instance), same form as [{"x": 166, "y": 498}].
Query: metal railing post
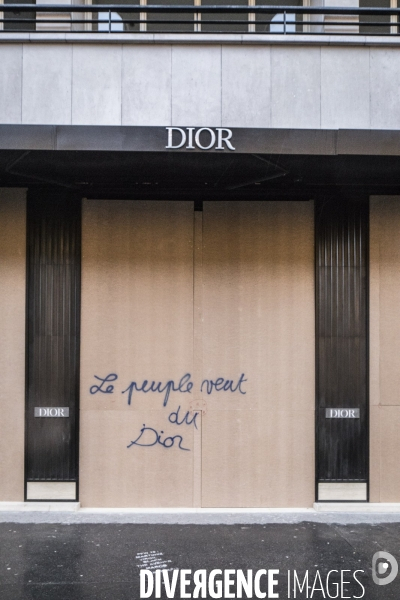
[
  {"x": 143, "y": 17},
  {"x": 306, "y": 28},
  {"x": 393, "y": 18},
  {"x": 284, "y": 22},
  {"x": 252, "y": 17},
  {"x": 197, "y": 17},
  {"x": 88, "y": 17},
  {"x": 109, "y": 21}
]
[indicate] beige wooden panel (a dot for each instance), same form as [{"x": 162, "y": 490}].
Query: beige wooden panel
[
  {"x": 384, "y": 348},
  {"x": 137, "y": 322},
  {"x": 385, "y": 294},
  {"x": 258, "y": 310},
  {"x": 12, "y": 347},
  {"x": 258, "y": 458},
  {"x": 197, "y": 351},
  {"x": 114, "y": 475},
  {"x": 389, "y": 454},
  {"x": 374, "y": 302},
  {"x": 375, "y": 454}
]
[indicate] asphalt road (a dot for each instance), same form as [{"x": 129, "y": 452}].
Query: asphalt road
[{"x": 47, "y": 561}]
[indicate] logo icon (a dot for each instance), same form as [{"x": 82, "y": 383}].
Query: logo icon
[{"x": 384, "y": 568}]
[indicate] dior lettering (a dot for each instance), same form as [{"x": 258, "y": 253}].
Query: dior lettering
[
  {"x": 342, "y": 413},
  {"x": 204, "y": 138},
  {"x": 51, "y": 411}
]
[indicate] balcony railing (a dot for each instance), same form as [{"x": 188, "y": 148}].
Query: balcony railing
[{"x": 219, "y": 19}]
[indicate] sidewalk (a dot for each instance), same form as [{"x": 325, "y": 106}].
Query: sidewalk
[
  {"x": 94, "y": 555},
  {"x": 71, "y": 512}
]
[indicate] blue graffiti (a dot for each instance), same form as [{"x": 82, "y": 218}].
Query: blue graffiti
[
  {"x": 184, "y": 386},
  {"x": 174, "y": 418},
  {"x": 223, "y": 385},
  {"x": 155, "y": 438},
  {"x": 99, "y": 388}
]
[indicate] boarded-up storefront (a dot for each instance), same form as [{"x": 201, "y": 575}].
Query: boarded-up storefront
[{"x": 197, "y": 379}]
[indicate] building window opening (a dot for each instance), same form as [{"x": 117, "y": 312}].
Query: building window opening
[
  {"x": 279, "y": 22},
  {"x": 166, "y": 22},
  {"x": 116, "y": 21},
  {"x": 234, "y": 22},
  {"x": 18, "y": 20},
  {"x": 378, "y": 24}
]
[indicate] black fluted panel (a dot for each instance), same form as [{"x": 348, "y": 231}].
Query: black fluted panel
[
  {"x": 342, "y": 338},
  {"x": 53, "y": 319}
]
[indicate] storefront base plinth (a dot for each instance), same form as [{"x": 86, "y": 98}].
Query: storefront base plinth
[
  {"x": 51, "y": 490},
  {"x": 342, "y": 491}
]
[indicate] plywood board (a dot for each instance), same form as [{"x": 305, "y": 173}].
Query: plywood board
[
  {"x": 225, "y": 298},
  {"x": 389, "y": 454},
  {"x": 137, "y": 327},
  {"x": 384, "y": 348},
  {"x": 385, "y": 287},
  {"x": 375, "y": 454},
  {"x": 117, "y": 473},
  {"x": 12, "y": 348},
  {"x": 374, "y": 302},
  {"x": 258, "y": 458},
  {"x": 258, "y": 333}
]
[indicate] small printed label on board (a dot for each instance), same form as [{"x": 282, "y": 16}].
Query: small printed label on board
[
  {"x": 342, "y": 413},
  {"x": 51, "y": 411}
]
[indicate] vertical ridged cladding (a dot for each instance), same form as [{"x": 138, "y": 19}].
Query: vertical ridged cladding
[
  {"x": 342, "y": 338},
  {"x": 53, "y": 328}
]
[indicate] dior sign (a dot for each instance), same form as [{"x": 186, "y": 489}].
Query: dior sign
[
  {"x": 342, "y": 413},
  {"x": 51, "y": 411},
  {"x": 203, "y": 138}
]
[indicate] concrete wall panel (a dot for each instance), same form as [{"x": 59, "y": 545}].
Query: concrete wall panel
[
  {"x": 196, "y": 86},
  {"x": 293, "y": 86},
  {"x": 96, "y": 85},
  {"x": 146, "y": 69},
  {"x": 345, "y": 97},
  {"x": 296, "y": 87},
  {"x": 12, "y": 347},
  {"x": 385, "y": 97},
  {"x": 11, "y": 83},
  {"x": 46, "y": 94},
  {"x": 246, "y": 86}
]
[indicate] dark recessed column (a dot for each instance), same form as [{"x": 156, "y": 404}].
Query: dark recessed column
[
  {"x": 342, "y": 349},
  {"x": 53, "y": 322}
]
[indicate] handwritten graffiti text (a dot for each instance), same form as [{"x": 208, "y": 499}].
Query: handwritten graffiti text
[{"x": 153, "y": 438}]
